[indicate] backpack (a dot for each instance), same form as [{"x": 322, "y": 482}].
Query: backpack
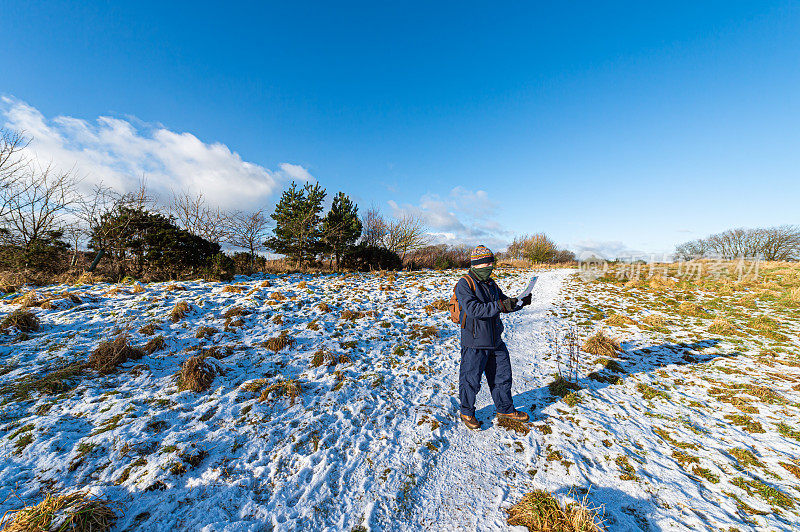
[{"x": 455, "y": 308}]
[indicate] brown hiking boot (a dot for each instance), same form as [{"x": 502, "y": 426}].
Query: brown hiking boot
[
  {"x": 516, "y": 415},
  {"x": 471, "y": 422}
]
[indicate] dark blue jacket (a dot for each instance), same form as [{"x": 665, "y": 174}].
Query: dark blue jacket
[{"x": 480, "y": 313}]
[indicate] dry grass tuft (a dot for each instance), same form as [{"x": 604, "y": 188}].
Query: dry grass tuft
[
  {"x": 351, "y": 315},
  {"x": 659, "y": 282},
  {"x": 59, "y": 380},
  {"x": 206, "y": 332},
  {"x": 324, "y": 307},
  {"x": 691, "y": 309},
  {"x": 302, "y": 284},
  {"x": 794, "y": 295},
  {"x": 539, "y": 511},
  {"x": 235, "y": 312},
  {"x": 179, "y": 311},
  {"x": 513, "y": 424},
  {"x": 618, "y": 320},
  {"x": 764, "y": 323},
  {"x": 284, "y": 388},
  {"x": 602, "y": 345},
  {"x": 23, "y": 320},
  {"x": 154, "y": 344},
  {"x": 424, "y": 332},
  {"x": 28, "y": 299},
  {"x": 149, "y": 329},
  {"x": 722, "y": 326},
  {"x": 561, "y": 387},
  {"x": 278, "y": 343},
  {"x": 195, "y": 374},
  {"x": 265, "y": 284},
  {"x": 137, "y": 288},
  {"x": 75, "y": 512},
  {"x": 108, "y": 355},
  {"x": 111, "y": 292},
  {"x": 323, "y": 356},
  {"x": 9, "y": 284},
  {"x": 655, "y": 320},
  {"x": 174, "y": 288},
  {"x": 232, "y": 289},
  {"x": 440, "y": 305},
  {"x": 254, "y": 385},
  {"x": 277, "y": 296}
]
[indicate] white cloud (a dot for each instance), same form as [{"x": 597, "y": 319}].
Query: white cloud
[
  {"x": 462, "y": 217},
  {"x": 119, "y": 153},
  {"x": 605, "y": 249},
  {"x": 296, "y": 172}
]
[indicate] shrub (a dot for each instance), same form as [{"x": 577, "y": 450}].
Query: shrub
[
  {"x": 76, "y": 512},
  {"x": 22, "y": 320},
  {"x": 439, "y": 257},
  {"x": 108, "y": 355},
  {"x": 195, "y": 374},
  {"x": 539, "y": 511},
  {"x": 365, "y": 258}
]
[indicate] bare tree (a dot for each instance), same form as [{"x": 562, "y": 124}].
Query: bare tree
[
  {"x": 406, "y": 234},
  {"x": 374, "y": 228},
  {"x": 38, "y": 210},
  {"x": 781, "y": 243},
  {"x": 13, "y": 167},
  {"x": 692, "y": 250},
  {"x": 247, "y": 230},
  {"x": 192, "y": 214},
  {"x": 771, "y": 243}
]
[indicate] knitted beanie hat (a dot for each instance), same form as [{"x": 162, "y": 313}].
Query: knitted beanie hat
[{"x": 481, "y": 257}]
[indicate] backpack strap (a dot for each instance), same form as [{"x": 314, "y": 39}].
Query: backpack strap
[{"x": 471, "y": 284}]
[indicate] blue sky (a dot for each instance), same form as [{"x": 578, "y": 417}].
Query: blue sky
[{"x": 609, "y": 126}]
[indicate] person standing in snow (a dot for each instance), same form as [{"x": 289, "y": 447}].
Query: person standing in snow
[{"x": 482, "y": 348}]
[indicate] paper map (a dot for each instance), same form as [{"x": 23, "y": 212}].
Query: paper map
[{"x": 528, "y": 290}]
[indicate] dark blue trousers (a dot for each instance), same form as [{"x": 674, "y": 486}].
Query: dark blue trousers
[{"x": 497, "y": 366}]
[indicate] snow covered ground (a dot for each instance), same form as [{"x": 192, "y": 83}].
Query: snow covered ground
[{"x": 373, "y": 440}]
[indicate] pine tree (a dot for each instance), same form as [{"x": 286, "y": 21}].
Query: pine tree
[
  {"x": 297, "y": 223},
  {"x": 341, "y": 226}
]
